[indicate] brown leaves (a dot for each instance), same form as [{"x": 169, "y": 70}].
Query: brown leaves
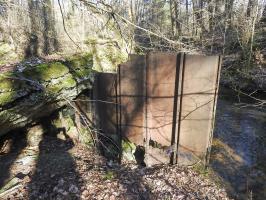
[{"x": 92, "y": 177}]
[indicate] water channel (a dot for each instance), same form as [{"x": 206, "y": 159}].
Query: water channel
[{"x": 238, "y": 158}]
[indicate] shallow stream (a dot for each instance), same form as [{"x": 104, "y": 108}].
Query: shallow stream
[{"x": 238, "y": 158}]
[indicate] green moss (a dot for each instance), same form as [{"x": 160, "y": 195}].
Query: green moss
[
  {"x": 4, "y": 49},
  {"x": 128, "y": 146},
  {"x": 201, "y": 169},
  {"x": 46, "y": 72},
  {"x": 70, "y": 122},
  {"x": 91, "y": 41},
  {"x": 128, "y": 150},
  {"x": 9, "y": 87},
  {"x": 80, "y": 61},
  {"x": 67, "y": 82},
  {"x": 70, "y": 81},
  {"x": 9, "y": 82},
  {"x": 108, "y": 57},
  {"x": 109, "y": 175},
  {"x": 82, "y": 73},
  {"x": 114, "y": 56},
  {"x": 80, "y": 65},
  {"x": 107, "y": 51},
  {"x": 6, "y": 84},
  {"x": 85, "y": 136},
  {"x": 8, "y": 53},
  {"x": 7, "y": 97}
]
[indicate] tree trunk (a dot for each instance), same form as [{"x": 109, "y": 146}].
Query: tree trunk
[
  {"x": 198, "y": 12},
  {"x": 211, "y": 13},
  {"x": 229, "y": 5},
  {"x": 263, "y": 18},
  {"x": 172, "y": 18},
  {"x": 177, "y": 18},
  {"x": 251, "y": 8},
  {"x": 49, "y": 33},
  {"x": 187, "y": 15}
]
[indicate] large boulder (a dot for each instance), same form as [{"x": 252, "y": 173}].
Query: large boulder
[
  {"x": 32, "y": 92},
  {"x": 108, "y": 53}
]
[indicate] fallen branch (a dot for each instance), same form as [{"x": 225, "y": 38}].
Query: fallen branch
[
  {"x": 260, "y": 102},
  {"x": 10, "y": 191}
]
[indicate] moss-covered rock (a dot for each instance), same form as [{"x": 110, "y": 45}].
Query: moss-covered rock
[
  {"x": 108, "y": 53},
  {"x": 35, "y": 92},
  {"x": 65, "y": 83},
  {"x": 6, "y": 97},
  {"x": 80, "y": 61},
  {"x": 46, "y": 72},
  {"x": 85, "y": 136},
  {"x": 7, "y": 53},
  {"x": 128, "y": 149},
  {"x": 80, "y": 65}
]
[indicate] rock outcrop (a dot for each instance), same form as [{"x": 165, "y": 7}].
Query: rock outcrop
[{"x": 29, "y": 93}]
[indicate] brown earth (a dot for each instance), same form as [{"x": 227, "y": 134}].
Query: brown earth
[{"x": 59, "y": 169}]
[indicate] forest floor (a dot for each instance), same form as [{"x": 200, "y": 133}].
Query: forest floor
[{"x": 60, "y": 169}]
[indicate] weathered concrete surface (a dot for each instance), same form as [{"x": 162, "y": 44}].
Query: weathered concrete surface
[{"x": 29, "y": 94}]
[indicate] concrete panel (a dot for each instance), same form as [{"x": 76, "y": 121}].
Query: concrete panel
[
  {"x": 105, "y": 93},
  {"x": 131, "y": 87},
  {"x": 199, "y": 90},
  {"x": 164, "y": 102},
  {"x": 161, "y": 73}
]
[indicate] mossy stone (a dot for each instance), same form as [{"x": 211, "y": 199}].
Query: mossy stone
[
  {"x": 10, "y": 82},
  {"x": 80, "y": 65},
  {"x": 8, "y": 53},
  {"x": 46, "y": 72},
  {"x": 70, "y": 122},
  {"x": 85, "y": 136},
  {"x": 39, "y": 90},
  {"x": 107, "y": 53},
  {"x": 80, "y": 61},
  {"x": 7, "y": 97},
  {"x": 67, "y": 82},
  {"x": 6, "y": 84},
  {"x": 128, "y": 146},
  {"x": 129, "y": 149}
]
